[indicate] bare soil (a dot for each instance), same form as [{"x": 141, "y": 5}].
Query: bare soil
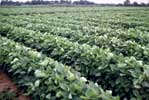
[{"x": 7, "y": 85}]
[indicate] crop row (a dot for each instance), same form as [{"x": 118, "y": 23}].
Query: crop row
[
  {"x": 124, "y": 75},
  {"x": 44, "y": 10},
  {"x": 117, "y": 46},
  {"x": 141, "y": 37},
  {"x": 125, "y": 19},
  {"x": 43, "y": 78},
  {"x": 45, "y": 25},
  {"x": 83, "y": 20}
]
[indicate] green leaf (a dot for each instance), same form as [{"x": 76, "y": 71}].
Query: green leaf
[
  {"x": 37, "y": 83},
  {"x": 39, "y": 74},
  {"x": 91, "y": 92}
]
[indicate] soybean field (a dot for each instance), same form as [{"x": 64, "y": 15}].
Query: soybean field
[{"x": 76, "y": 53}]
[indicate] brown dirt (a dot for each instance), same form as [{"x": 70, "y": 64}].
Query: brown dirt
[{"x": 7, "y": 84}]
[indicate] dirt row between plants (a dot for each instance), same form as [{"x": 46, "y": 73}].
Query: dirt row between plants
[{"x": 6, "y": 85}]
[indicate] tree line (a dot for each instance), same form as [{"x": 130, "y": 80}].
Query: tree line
[
  {"x": 46, "y": 2},
  {"x": 67, "y": 2}
]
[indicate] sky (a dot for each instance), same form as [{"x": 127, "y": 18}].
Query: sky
[{"x": 106, "y": 1}]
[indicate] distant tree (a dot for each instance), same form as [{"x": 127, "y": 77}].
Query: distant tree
[
  {"x": 35, "y": 2},
  {"x": 142, "y": 4},
  {"x": 10, "y": 2},
  {"x": 2, "y": 2},
  {"x": 119, "y": 4},
  {"x": 127, "y": 2},
  {"x": 5, "y": 2},
  {"x": 83, "y": 2},
  {"x": 65, "y": 1},
  {"x": 135, "y": 4}
]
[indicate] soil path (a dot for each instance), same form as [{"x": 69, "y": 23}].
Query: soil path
[{"x": 7, "y": 85}]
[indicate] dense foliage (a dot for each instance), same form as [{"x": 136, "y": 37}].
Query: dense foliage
[
  {"x": 43, "y": 78},
  {"x": 112, "y": 51}
]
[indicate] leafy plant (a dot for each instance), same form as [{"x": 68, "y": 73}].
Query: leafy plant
[{"x": 43, "y": 78}]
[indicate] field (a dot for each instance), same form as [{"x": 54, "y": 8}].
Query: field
[{"x": 76, "y": 53}]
